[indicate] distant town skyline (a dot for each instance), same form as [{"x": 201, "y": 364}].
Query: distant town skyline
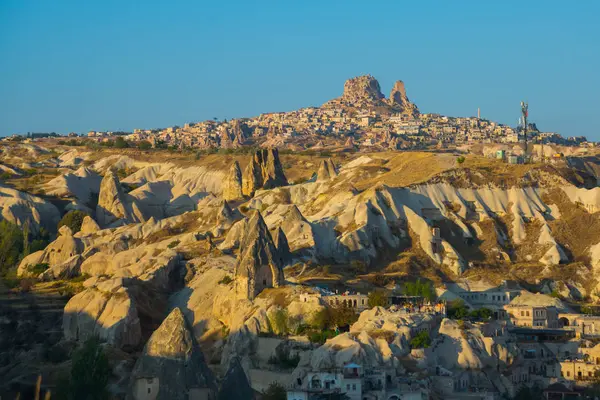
[{"x": 117, "y": 66}]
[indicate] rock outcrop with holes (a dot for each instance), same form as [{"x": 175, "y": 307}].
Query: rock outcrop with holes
[
  {"x": 173, "y": 359},
  {"x": 232, "y": 188},
  {"x": 259, "y": 264},
  {"x": 360, "y": 92}
]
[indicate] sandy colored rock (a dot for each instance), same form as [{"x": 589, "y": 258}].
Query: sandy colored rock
[
  {"x": 89, "y": 226},
  {"x": 173, "y": 356},
  {"x": 112, "y": 203},
  {"x": 232, "y": 188},
  {"x": 111, "y": 317},
  {"x": 263, "y": 171},
  {"x": 281, "y": 242},
  {"x": 327, "y": 170},
  {"x": 259, "y": 264},
  {"x": 400, "y": 102}
]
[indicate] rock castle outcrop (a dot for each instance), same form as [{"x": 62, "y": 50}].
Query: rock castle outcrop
[
  {"x": 259, "y": 264},
  {"x": 364, "y": 93}
]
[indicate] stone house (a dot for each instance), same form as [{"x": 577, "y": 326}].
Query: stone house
[{"x": 532, "y": 316}]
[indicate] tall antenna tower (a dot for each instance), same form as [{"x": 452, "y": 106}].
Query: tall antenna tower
[{"x": 525, "y": 114}]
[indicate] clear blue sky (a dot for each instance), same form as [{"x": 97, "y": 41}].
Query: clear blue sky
[{"x": 118, "y": 65}]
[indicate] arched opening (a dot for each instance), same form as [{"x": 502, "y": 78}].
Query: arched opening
[
  {"x": 315, "y": 382},
  {"x": 564, "y": 321},
  {"x": 394, "y": 397}
]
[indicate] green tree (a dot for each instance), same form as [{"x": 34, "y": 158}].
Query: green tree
[
  {"x": 377, "y": 298},
  {"x": 460, "y": 159},
  {"x": 275, "y": 391},
  {"x": 72, "y": 219},
  {"x": 457, "y": 310},
  {"x": 90, "y": 373},
  {"x": 420, "y": 288},
  {"x": 342, "y": 316},
  {"x": 121, "y": 143},
  {"x": 280, "y": 321},
  {"x": 320, "y": 319},
  {"x": 11, "y": 244},
  {"x": 481, "y": 313},
  {"x": 144, "y": 145},
  {"x": 421, "y": 341}
]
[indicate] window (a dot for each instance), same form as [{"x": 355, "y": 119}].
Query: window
[
  {"x": 149, "y": 390},
  {"x": 568, "y": 373},
  {"x": 353, "y": 387},
  {"x": 522, "y": 313},
  {"x": 527, "y": 313},
  {"x": 348, "y": 386}
]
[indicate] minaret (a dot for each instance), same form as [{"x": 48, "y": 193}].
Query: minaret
[{"x": 478, "y": 113}]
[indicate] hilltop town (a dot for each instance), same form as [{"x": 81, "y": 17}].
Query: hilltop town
[{"x": 361, "y": 118}]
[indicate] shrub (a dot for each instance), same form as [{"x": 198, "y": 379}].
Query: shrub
[
  {"x": 321, "y": 337},
  {"x": 226, "y": 280},
  {"x": 282, "y": 358},
  {"x": 37, "y": 268},
  {"x": 121, "y": 143},
  {"x": 377, "y": 298},
  {"x": 173, "y": 244},
  {"x": 72, "y": 219},
  {"x": 460, "y": 159},
  {"x": 144, "y": 145},
  {"x": 421, "y": 341},
  {"x": 275, "y": 391}
]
